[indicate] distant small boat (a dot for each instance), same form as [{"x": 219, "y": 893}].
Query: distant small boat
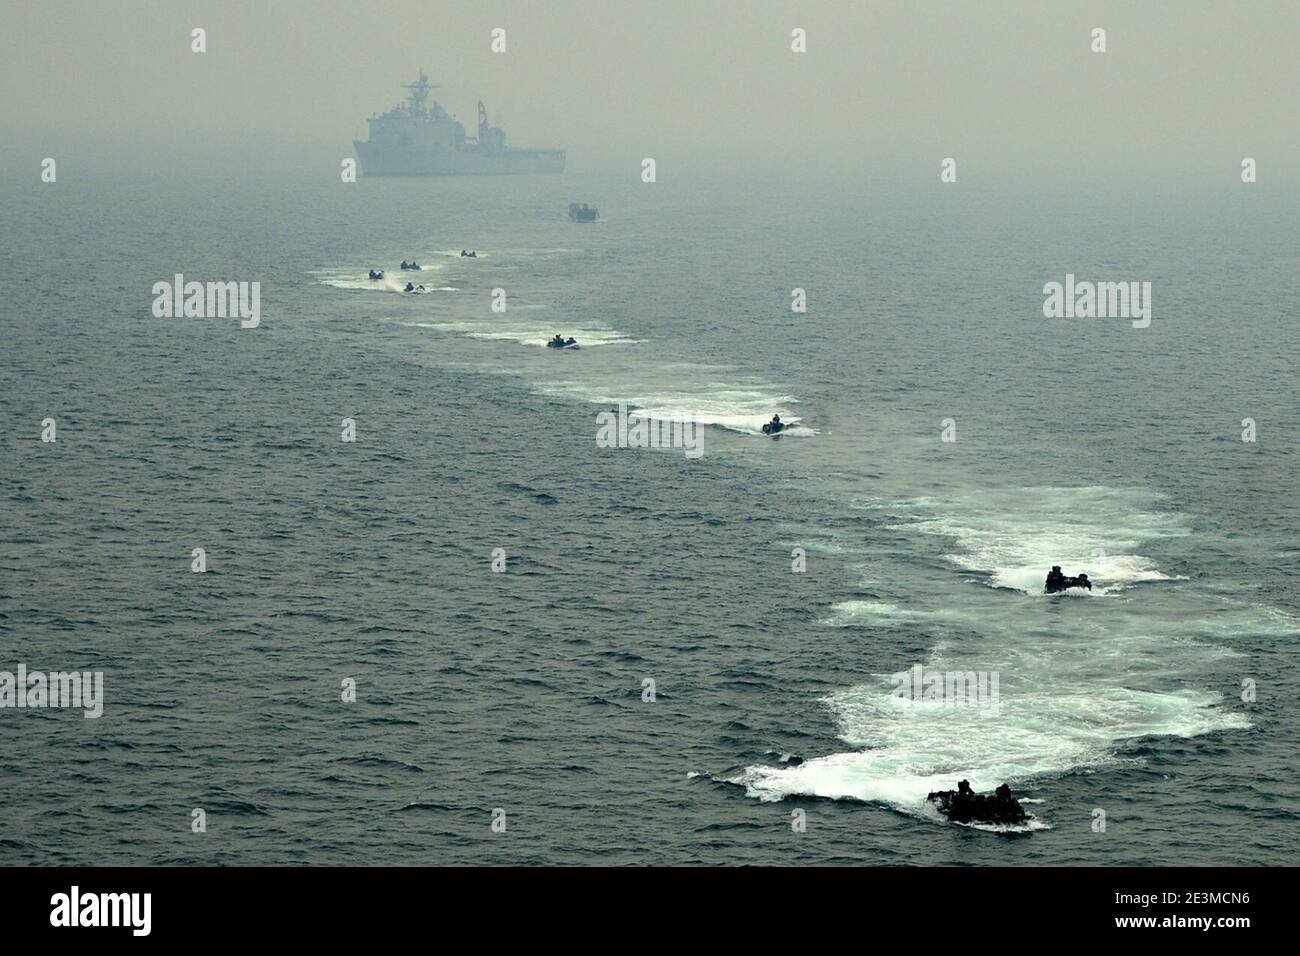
[{"x": 581, "y": 212}]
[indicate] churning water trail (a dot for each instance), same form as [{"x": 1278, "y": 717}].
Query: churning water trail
[
  {"x": 1066, "y": 700},
  {"x": 1081, "y": 675},
  {"x": 1014, "y": 535},
  {"x": 1078, "y": 679}
]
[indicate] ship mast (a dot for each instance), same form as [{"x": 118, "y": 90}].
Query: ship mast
[{"x": 419, "y": 92}]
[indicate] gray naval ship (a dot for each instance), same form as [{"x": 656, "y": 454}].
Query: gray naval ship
[{"x": 415, "y": 139}]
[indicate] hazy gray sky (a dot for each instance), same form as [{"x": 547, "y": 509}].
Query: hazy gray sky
[{"x": 886, "y": 90}]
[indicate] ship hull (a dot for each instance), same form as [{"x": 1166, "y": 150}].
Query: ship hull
[{"x": 382, "y": 161}]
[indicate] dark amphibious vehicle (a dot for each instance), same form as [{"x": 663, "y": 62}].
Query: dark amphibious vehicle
[
  {"x": 1057, "y": 581},
  {"x": 964, "y": 805},
  {"x": 560, "y": 342},
  {"x": 775, "y": 426}
]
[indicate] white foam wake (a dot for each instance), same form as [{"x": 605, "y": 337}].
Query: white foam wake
[
  {"x": 1016, "y": 535},
  {"x": 529, "y": 333},
  {"x": 735, "y": 407},
  {"x": 911, "y": 748},
  {"x": 393, "y": 280},
  {"x": 1073, "y": 684}
]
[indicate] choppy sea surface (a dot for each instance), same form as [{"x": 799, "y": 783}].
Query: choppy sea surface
[{"x": 1085, "y": 443}]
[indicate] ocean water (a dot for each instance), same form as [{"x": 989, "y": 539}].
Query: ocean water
[{"x": 1085, "y": 443}]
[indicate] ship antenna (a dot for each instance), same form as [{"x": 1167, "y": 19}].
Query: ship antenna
[{"x": 419, "y": 91}]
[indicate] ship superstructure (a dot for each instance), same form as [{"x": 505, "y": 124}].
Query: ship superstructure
[{"x": 419, "y": 138}]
